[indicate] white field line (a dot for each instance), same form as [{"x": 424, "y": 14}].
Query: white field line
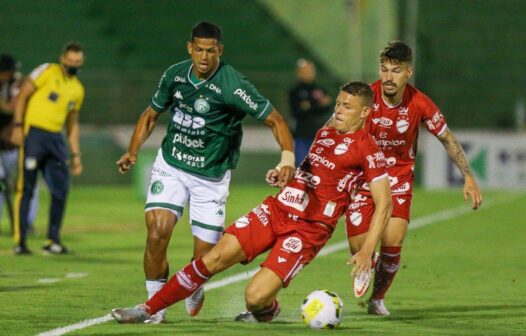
[{"x": 417, "y": 223}]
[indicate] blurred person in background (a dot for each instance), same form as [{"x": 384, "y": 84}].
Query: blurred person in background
[
  {"x": 398, "y": 110},
  {"x": 310, "y": 105},
  {"x": 207, "y": 100},
  {"x": 49, "y": 101},
  {"x": 10, "y": 82}
]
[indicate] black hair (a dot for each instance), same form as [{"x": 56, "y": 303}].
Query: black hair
[
  {"x": 72, "y": 46},
  {"x": 397, "y": 51},
  {"x": 205, "y": 29},
  {"x": 359, "y": 89},
  {"x": 8, "y": 63}
]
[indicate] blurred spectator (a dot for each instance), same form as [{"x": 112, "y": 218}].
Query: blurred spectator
[
  {"x": 10, "y": 82},
  {"x": 310, "y": 106}
]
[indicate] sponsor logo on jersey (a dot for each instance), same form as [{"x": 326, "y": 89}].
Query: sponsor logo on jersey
[
  {"x": 294, "y": 198},
  {"x": 343, "y": 181},
  {"x": 317, "y": 160},
  {"x": 390, "y": 143},
  {"x": 326, "y": 142},
  {"x": 178, "y": 95},
  {"x": 319, "y": 150},
  {"x": 307, "y": 178},
  {"x": 329, "y": 209},
  {"x": 292, "y": 244},
  {"x": 213, "y": 88},
  {"x": 324, "y": 134},
  {"x": 376, "y": 160},
  {"x": 435, "y": 121},
  {"x": 201, "y": 105},
  {"x": 390, "y": 161},
  {"x": 246, "y": 98},
  {"x": 402, "y": 125},
  {"x": 185, "y": 140},
  {"x": 356, "y": 218},
  {"x": 403, "y": 111},
  {"x": 376, "y": 107},
  {"x": 157, "y": 188},
  {"x": 383, "y": 121},
  {"x": 188, "y": 121},
  {"x": 179, "y": 79},
  {"x": 242, "y": 222}
]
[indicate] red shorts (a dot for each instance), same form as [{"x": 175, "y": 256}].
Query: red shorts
[
  {"x": 293, "y": 242},
  {"x": 359, "y": 214}
]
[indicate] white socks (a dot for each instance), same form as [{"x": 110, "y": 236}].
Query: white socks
[{"x": 152, "y": 287}]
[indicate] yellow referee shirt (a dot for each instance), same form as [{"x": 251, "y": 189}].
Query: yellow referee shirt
[{"x": 56, "y": 95}]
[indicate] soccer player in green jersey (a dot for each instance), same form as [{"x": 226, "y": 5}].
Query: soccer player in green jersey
[{"x": 207, "y": 100}]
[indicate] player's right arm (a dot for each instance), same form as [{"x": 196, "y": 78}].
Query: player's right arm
[
  {"x": 27, "y": 89},
  {"x": 144, "y": 127}
]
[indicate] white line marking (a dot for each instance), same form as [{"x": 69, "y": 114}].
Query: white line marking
[
  {"x": 76, "y": 275},
  {"x": 417, "y": 223},
  {"x": 49, "y": 280}
]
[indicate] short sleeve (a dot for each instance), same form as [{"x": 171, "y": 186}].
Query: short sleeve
[
  {"x": 374, "y": 163},
  {"x": 245, "y": 97},
  {"x": 434, "y": 121},
  {"x": 40, "y": 75},
  {"x": 162, "y": 98}
]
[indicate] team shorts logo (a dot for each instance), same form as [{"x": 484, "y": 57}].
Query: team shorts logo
[
  {"x": 157, "y": 187},
  {"x": 402, "y": 125},
  {"x": 201, "y": 105},
  {"x": 242, "y": 222},
  {"x": 355, "y": 218},
  {"x": 292, "y": 244},
  {"x": 294, "y": 198}
]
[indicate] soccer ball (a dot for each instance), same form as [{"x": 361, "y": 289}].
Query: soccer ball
[{"x": 322, "y": 309}]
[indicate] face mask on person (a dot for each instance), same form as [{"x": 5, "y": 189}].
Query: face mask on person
[{"x": 71, "y": 70}]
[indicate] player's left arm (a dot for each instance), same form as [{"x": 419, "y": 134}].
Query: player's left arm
[
  {"x": 283, "y": 136},
  {"x": 457, "y": 154},
  {"x": 381, "y": 194},
  {"x": 72, "y": 132}
]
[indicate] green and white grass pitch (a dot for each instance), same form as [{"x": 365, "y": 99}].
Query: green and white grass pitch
[{"x": 460, "y": 276}]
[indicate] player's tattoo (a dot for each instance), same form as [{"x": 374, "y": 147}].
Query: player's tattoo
[{"x": 455, "y": 152}]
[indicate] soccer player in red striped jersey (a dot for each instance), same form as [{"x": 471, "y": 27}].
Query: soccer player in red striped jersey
[
  {"x": 398, "y": 110},
  {"x": 296, "y": 223}
]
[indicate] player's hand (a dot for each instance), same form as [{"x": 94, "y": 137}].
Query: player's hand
[
  {"x": 76, "y": 166},
  {"x": 17, "y": 136},
  {"x": 471, "y": 190},
  {"x": 362, "y": 263},
  {"x": 272, "y": 177},
  {"x": 126, "y": 161},
  {"x": 286, "y": 173}
]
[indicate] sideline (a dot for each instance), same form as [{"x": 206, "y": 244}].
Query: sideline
[{"x": 415, "y": 224}]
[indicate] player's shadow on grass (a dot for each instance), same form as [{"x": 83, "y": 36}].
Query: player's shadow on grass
[
  {"x": 455, "y": 312},
  {"x": 4, "y": 289}
]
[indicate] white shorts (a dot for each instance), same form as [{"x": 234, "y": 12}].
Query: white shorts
[{"x": 171, "y": 188}]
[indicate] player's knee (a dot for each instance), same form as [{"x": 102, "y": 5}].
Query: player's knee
[{"x": 255, "y": 298}]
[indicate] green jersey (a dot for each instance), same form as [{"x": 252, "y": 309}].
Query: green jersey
[{"x": 204, "y": 133}]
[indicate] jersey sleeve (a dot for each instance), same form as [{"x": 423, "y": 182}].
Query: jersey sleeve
[
  {"x": 162, "y": 98},
  {"x": 432, "y": 118},
  {"x": 41, "y": 74},
  {"x": 245, "y": 97},
  {"x": 374, "y": 164}
]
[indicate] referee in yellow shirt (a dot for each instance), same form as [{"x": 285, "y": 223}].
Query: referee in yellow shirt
[{"x": 50, "y": 98}]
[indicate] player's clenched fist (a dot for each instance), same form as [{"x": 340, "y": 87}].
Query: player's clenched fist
[{"x": 126, "y": 161}]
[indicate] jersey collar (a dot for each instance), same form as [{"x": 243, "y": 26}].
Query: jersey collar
[{"x": 196, "y": 85}]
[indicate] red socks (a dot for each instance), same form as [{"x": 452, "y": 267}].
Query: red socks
[
  {"x": 180, "y": 286},
  {"x": 386, "y": 269}
]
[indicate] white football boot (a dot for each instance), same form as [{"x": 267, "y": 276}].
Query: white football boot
[
  {"x": 363, "y": 280},
  {"x": 194, "y": 302},
  {"x": 377, "y": 307}
]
